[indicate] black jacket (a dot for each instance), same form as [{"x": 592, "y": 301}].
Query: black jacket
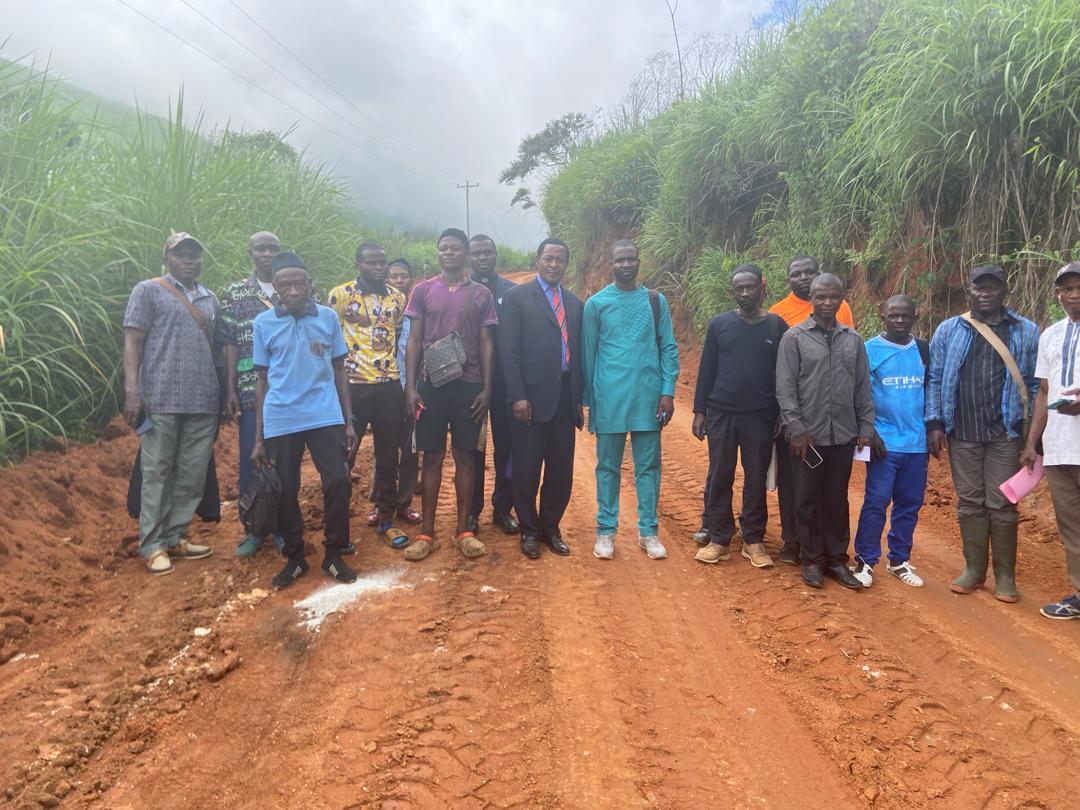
[
  {"x": 498, "y": 291},
  {"x": 530, "y": 349}
]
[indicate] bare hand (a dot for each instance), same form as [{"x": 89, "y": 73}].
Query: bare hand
[
  {"x": 862, "y": 442},
  {"x": 522, "y": 410},
  {"x": 232, "y": 405},
  {"x": 133, "y": 406},
  {"x": 414, "y": 405},
  {"x": 1028, "y": 456},
  {"x": 665, "y": 410},
  {"x": 259, "y": 458},
  {"x": 877, "y": 449},
  {"x": 698, "y": 428},
  {"x": 936, "y": 442},
  {"x": 778, "y": 429},
  {"x": 479, "y": 406},
  {"x": 1073, "y": 408},
  {"x": 800, "y": 444},
  {"x": 352, "y": 443}
]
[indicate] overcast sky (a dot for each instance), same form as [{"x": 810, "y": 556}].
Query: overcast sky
[{"x": 446, "y": 88}]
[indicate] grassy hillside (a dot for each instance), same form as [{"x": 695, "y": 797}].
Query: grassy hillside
[{"x": 901, "y": 141}]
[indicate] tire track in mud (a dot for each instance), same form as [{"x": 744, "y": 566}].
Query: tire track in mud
[{"x": 915, "y": 721}]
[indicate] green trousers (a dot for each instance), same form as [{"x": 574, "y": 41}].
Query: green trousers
[
  {"x": 645, "y": 447},
  {"x": 175, "y": 452}
]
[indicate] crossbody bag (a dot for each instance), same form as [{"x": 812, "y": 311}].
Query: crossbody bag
[
  {"x": 200, "y": 319},
  {"x": 444, "y": 360},
  {"x": 1010, "y": 364}
]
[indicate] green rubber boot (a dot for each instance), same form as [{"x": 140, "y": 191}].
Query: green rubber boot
[
  {"x": 1003, "y": 543},
  {"x": 975, "y": 535}
]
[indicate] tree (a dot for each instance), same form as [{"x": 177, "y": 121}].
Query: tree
[{"x": 544, "y": 151}]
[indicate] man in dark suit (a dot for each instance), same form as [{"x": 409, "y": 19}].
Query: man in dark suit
[
  {"x": 539, "y": 350},
  {"x": 483, "y": 256}
]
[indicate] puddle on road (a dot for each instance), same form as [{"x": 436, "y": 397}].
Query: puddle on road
[{"x": 315, "y": 607}]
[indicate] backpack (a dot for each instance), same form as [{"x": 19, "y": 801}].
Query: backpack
[{"x": 924, "y": 352}]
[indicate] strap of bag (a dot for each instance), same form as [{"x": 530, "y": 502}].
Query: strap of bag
[
  {"x": 924, "y": 351},
  {"x": 470, "y": 294},
  {"x": 200, "y": 319},
  {"x": 1006, "y": 355},
  {"x": 654, "y": 302}
]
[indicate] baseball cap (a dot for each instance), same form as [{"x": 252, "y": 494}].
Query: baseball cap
[
  {"x": 176, "y": 238},
  {"x": 987, "y": 271},
  {"x": 1071, "y": 269}
]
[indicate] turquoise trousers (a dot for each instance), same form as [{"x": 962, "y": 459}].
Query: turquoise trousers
[{"x": 645, "y": 447}]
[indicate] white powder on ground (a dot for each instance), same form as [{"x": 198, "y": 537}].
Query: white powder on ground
[{"x": 323, "y": 602}]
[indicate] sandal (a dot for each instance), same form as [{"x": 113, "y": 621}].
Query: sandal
[
  {"x": 422, "y": 546},
  {"x": 373, "y": 516},
  {"x": 469, "y": 546},
  {"x": 395, "y": 538}
]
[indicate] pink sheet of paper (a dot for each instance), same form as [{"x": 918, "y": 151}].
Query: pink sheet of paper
[{"x": 1023, "y": 482}]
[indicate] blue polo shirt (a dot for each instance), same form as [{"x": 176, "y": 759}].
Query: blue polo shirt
[{"x": 298, "y": 354}]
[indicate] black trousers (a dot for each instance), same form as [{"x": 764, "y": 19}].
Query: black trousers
[
  {"x": 502, "y": 496},
  {"x": 327, "y": 447},
  {"x": 408, "y": 467},
  {"x": 550, "y": 445},
  {"x": 731, "y": 435},
  {"x": 381, "y": 406},
  {"x": 822, "y": 524},
  {"x": 785, "y": 492}
]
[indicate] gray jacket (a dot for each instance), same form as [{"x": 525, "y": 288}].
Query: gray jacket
[{"x": 824, "y": 389}]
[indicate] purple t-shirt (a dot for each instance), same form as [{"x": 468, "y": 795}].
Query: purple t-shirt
[{"x": 440, "y": 309}]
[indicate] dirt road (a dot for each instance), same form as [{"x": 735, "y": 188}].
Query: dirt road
[{"x": 506, "y": 683}]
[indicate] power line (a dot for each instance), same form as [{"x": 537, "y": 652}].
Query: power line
[
  {"x": 467, "y": 186},
  {"x": 265, "y": 92},
  {"x": 417, "y": 155},
  {"x": 293, "y": 82}
]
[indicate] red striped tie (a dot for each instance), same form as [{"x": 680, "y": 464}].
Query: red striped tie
[{"x": 560, "y": 316}]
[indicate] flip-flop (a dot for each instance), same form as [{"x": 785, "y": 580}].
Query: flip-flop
[
  {"x": 395, "y": 538},
  {"x": 423, "y": 545},
  {"x": 469, "y": 546}
]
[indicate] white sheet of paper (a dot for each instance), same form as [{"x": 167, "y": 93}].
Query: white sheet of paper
[{"x": 862, "y": 455}]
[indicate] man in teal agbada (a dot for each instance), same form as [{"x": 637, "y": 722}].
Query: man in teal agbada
[{"x": 630, "y": 363}]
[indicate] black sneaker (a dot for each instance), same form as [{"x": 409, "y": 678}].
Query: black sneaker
[
  {"x": 293, "y": 570},
  {"x": 789, "y": 554},
  {"x": 335, "y": 568}
]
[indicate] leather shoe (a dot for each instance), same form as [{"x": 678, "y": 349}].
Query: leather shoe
[
  {"x": 472, "y": 524},
  {"x": 556, "y": 543},
  {"x": 505, "y": 522},
  {"x": 811, "y": 575},
  {"x": 530, "y": 546},
  {"x": 842, "y": 574}
]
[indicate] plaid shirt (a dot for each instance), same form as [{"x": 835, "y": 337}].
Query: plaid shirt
[
  {"x": 948, "y": 350},
  {"x": 240, "y": 303}
]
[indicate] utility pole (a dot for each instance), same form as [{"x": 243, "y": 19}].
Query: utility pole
[{"x": 467, "y": 186}]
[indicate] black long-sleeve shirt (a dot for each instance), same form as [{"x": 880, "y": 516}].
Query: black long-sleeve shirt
[{"x": 738, "y": 365}]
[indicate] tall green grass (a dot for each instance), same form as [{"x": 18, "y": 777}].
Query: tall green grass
[
  {"x": 84, "y": 209},
  {"x": 900, "y": 141}
]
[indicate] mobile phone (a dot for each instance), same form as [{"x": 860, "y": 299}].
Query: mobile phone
[
  {"x": 662, "y": 417},
  {"x": 813, "y": 457},
  {"x": 143, "y": 423},
  {"x": 1057, "y": 403}
]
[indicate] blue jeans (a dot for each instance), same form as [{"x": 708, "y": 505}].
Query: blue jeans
[
  {"x": 901, "y": 479},
  {"x": 246, "y": 423}
]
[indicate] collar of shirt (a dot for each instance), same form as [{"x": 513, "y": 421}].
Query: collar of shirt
[
  {"x": 465, "y": 282},
  {"x": 309, "y": 309},
  {"x": 200, "y": 290},
  {"x": 811, "y": 323},
  {"x": 547, "y": 288},
  {"x": 374, "y": 289}
]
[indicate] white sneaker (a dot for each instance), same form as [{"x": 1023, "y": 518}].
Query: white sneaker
[
  {"x": 605, "y": 547},
  {"x": 905, "y": 572},
  {"x": 863, "y": 572},
  {"x": 653, "y": 547}
]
